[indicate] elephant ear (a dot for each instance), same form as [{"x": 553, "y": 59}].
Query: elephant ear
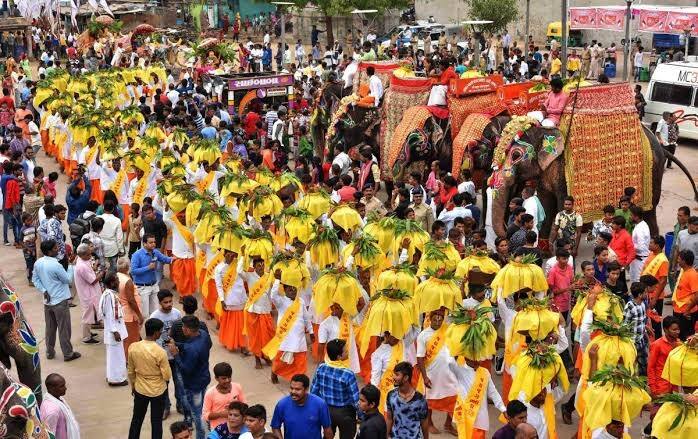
[{"x": 552, "y": 145}]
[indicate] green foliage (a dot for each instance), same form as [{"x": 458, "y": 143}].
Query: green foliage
[
  {"x": 500, "y": 12},
  {"x": 618, "y": 376},
  {"x": 686, "y": 406},
  {"x": 390, "y": 293},
  {"x": 337, "y": 7},
  {"x": 542, "y": 354}
]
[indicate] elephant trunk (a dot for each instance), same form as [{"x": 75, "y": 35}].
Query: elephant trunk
[
  {"x": 673, "y": 158},
  {"x": 500, "y": 201},
  {"x": 28, "y": 374}
]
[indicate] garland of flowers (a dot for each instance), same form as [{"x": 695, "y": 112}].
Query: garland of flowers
[{"x": 511, "y": 135}]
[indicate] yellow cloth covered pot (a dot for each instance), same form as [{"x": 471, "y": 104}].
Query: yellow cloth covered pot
[
  {"x": 434, "y": 293},
  {"x": 317, "y": 203},
  {"x": 516, "y": 276},
  {"x": 681, "y": 367},
  {"x": 398, "y": 278},
  {"x": 609, "y": 401}
]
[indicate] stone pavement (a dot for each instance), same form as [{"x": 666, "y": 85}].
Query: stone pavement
[{"x": 105, "y": 412}]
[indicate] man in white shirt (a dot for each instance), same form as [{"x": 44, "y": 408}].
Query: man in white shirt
[
  {"x": 449, "y": 216},
  {"x": 112, "y": 235},
  {"x": 641, "y": 241},
  {"x": 173, "y": 95},
  {"x": 638, "y": 61},
  {"x": 375, "y": 85},
  {"x": 662, "y": 130},
  {"x": 342, "y": 160},
  {"x": 338, "y": 325},
  {"x": 267, "y": 38}
]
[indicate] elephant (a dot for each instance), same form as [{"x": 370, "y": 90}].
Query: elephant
[
  {"x": 433, "y": 142},
  {"x": 548, "y": 169},
  {"x": 20, "y": 417},
  {"x": 17, "y": 340},
  {"x": 330, "y": 96}
]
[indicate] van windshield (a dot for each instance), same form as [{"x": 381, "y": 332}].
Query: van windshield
[{"x": 672, "y": 93}]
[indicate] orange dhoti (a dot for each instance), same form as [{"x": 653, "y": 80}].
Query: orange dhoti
[
  {"x": 183, "y": 274},
  {"x": 479, "y": 434},
  {"x": 365, "y": 361},
  {"x": 287, "y": 371},
  {"x": 260, "y": 329},
  {"x": 126, "y": 210},
  {"x": 133, "y": 331},
  {"x": 45, "y": 140},
  {"x": 445, "y": 405},
  {"x": 211, "y": 299},
  {"x": 315, "y": 349},
  {"x": 506, "y": 386},
  {"x": 230, "y": 332},
  {"x": 96, "y": 193}
]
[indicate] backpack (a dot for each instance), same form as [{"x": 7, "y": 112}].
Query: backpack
[{"x": 80, "y": 226}]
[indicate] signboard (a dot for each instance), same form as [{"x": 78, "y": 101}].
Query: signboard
[
  {"x": 609, "y": 18},
  {"x": 277, "y": 91},
  {"x": 260, "y": 82},
  {"x": 470, "y": 86}
]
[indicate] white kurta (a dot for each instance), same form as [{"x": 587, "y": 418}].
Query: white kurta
[
  {"x": 181, "y": 249},
  {"x": 295, "y": 340},
  {"x": 329, "y": 330},
  {"x": 236, "y": 297},
  {"x": 263, "y": 304},
  {"x": 443, "y": 381},
  {"x": 113, "y": 316},
  {"x": 466, "y": 378}
]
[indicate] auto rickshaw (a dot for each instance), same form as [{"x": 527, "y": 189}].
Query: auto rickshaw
[{"x": 574, "y": 37}]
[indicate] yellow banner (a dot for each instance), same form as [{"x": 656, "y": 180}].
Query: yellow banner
[
  {"x": 283, "y": 328},
  {"x": 467, "y": 408}
]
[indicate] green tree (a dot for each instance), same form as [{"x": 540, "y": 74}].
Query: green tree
[
  {"x": 500, "y": 12},
  {"x": 336, "y": 8}
]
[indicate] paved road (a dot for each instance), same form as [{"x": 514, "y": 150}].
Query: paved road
[{"x": 105, "y": 412}]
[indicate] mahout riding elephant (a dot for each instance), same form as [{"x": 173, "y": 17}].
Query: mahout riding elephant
[
  {"x": 546, "y": 166},
  {"x": 330, "y": 96},
  {"x": 17, "y": 340}
]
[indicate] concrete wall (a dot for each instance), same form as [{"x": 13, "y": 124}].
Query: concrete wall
[{"x": 542, "y": 13}]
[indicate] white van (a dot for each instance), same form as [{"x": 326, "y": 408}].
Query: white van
[{"x": 673, "y": 86}]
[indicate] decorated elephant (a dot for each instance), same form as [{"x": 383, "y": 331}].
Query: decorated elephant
[
  {"x": 352, "y": 125},
  {"x": 17, "y": 340},
  {"x": 330, "y": 98},
  {"x": 537, "y": 154},
  {"x": 422, "y": 146},
  {"x": 20, "y": 417}
]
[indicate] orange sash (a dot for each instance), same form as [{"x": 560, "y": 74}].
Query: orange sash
[
  {"x": 467, "y": 408},
  {"x": 205, "y": 182},
  {"x": 259, "y": 288},
  {"x": 229, "y": 277},
  {"x": 184, "y": 232},
  {"x": 386, "y": 383},
  {"x": 209, "y": 272},
  {"x": 141, "y": 188},
  {"x": 282, "y": 329},
  {"x": 118, "y": 182}
]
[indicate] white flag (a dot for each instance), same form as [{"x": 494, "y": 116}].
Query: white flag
[
  {"x": 93, "y": 4},
  {"x": 73, "y": 13},
  {"x": 105, "y": 6}
]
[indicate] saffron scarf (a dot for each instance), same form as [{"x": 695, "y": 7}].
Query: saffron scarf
[
  {"x": 386, "y": 383},
  {"x": 467, "y": 408},
  {"x": 283, "y": 328},
  {"x": 229, "y": 277}
]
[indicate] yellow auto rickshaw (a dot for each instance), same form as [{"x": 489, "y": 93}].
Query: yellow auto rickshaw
[{"x": 574, "y": 37}]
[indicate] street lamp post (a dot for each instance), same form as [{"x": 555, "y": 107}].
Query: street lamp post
[
  {"x": 528, "y": 15},
  {"x": 626, "y": 46},
  {"x": 280, "y": 5}
]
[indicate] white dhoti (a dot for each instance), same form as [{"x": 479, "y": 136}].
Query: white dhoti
[
  {"x": 113, "y": 315},
  {"x": 116, "y": 363}
]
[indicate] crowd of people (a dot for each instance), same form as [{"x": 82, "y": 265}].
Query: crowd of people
[{"x": 294, "y": 255}]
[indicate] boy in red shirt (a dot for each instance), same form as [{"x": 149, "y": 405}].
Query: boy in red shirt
[{"x": 659, "y": 351}]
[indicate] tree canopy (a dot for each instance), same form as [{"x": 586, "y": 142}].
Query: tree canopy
[{"x": 500, "y": 12}]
